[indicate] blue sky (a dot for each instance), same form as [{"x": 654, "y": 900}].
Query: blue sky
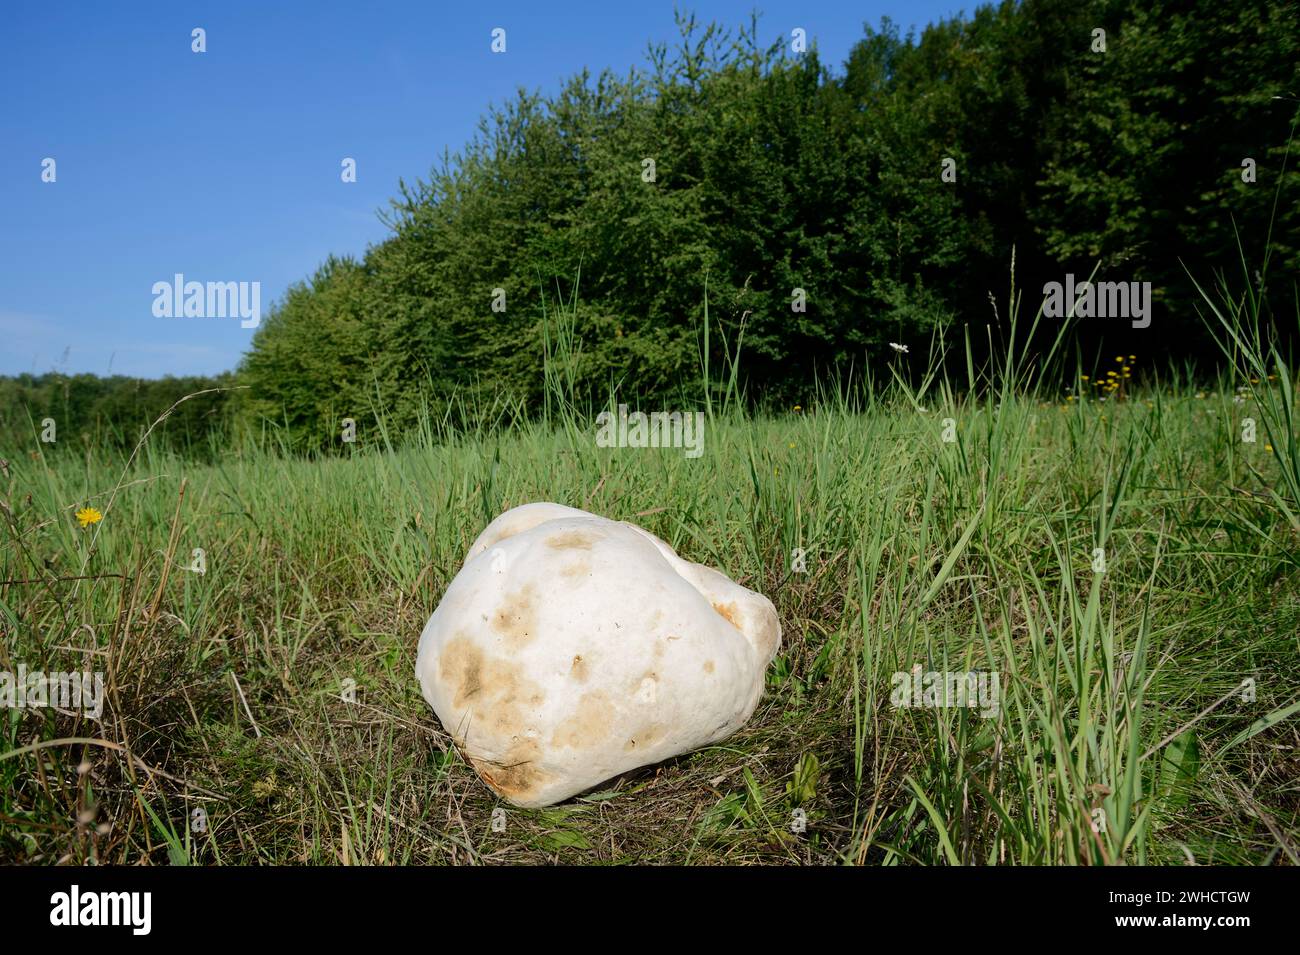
[{"x": 224, "y": 166}]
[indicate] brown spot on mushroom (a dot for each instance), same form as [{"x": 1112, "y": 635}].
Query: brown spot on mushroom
[
  {"x": 580, "y": 569},
  {"x": 708, "y": 666},
  {"x": 517, "y": 774},
  {"x": 730, "y": 612},
  {"x": 589, "y": 725},
  {"x": 513, "y": 695},
  {"x": 493, "y": 687},
  {"x": 460, "y": 667},
  {"x": 516, "y": 618},
  {"x": 579, "y": 669},
  {"x": 575, "y": 540}
]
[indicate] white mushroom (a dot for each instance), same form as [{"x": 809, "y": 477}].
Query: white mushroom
[{"x": 571, "y": 648}]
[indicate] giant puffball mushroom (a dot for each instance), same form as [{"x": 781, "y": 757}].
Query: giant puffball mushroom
[{"x": 571, "y": 648}]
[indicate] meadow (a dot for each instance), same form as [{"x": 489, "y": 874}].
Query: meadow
[{"x": 1106, "y": 539}]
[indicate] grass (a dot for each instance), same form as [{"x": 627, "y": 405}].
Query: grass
[{"x": 1127, "y": 568}]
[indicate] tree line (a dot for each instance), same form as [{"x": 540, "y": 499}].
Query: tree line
[{"x": 58, "y": 410}]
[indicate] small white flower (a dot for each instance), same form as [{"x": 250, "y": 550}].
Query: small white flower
[{"x": 897, "y": 347}]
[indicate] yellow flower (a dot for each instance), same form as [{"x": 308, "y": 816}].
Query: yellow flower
[
  {"x": 1083, "y": 377},
  {"x": 1268, "y": 447},
  {"x": 1132, "y": 357},
  {"x": 88, "y": 516},
  {"x": 798, "y": 407},
  {"x": 1119, "y": 358}
]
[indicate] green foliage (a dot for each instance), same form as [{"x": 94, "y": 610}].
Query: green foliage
[
  {"x": 113, "y": 413},
  {"x": 1145, "y": 170},
  {"x": 312, "y": 361},
  {"x": 802, "y": 788},
  {"x": 1178, "y": 767}
]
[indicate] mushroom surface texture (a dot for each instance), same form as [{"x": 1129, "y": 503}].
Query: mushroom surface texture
[{"x": 571, "y": 648}]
